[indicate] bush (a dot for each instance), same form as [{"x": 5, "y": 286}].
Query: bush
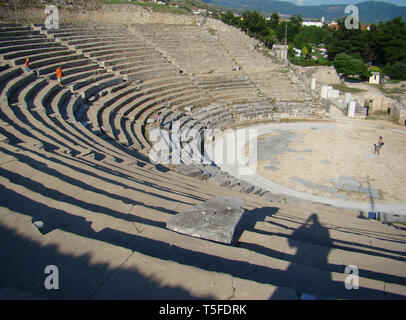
[
  {"x": 350, "y": 66},
  {"x": 396, "y": 71}
]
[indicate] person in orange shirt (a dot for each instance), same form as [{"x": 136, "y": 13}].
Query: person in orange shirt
[
  {"x": 27, "y": 65},
  {"x": 59, "y": 75}
]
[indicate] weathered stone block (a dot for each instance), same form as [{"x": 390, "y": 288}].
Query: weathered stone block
[{"x": 214, "y": 220}]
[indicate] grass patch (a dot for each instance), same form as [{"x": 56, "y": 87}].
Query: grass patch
[
  {"x": 212, "y": 31},
  {"x": 343, "y": 88}
]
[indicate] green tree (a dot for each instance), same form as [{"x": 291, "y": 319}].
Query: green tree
[
  {"x": 391, "y": 37},
  {"x": 274, "y": 21},
  {"x": 254, "y": 22},
  {"x": 351, "y": 66},
  {"x": 305, "y": 51},
  {"x": 396, "y": 71},
  {"x": 292, "y": 30},
  {"x": 230, "y": 18}
]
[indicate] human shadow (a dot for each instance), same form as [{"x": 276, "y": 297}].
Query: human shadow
[
  {"x": 140, "y": 243},
  {"x": 308, "y": 255},
  {"x": 23, "y": 261},
  {"x": 313, "y": 243}
]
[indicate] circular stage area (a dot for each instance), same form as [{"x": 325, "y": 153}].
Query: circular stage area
[{"x": 330, "y": 162}]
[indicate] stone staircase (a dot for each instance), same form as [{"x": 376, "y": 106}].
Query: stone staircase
[{"x": 104, "y": 206}]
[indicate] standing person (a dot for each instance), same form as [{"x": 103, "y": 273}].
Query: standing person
[
  {"x": 59, "y": 75},
  {"x": 379, "y": 145},
  {"x": 27, "y": 65},
  {"x": 158, "y": 119}
]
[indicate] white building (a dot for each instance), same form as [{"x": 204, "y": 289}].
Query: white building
[
  {"x": 375, "y": 78},
  {"x": 314, "y": 23}
]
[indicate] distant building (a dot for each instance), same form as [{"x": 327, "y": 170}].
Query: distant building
[
  {"x": 319, "y": 24},
  {"x": 334, "y": 25},
  {"x": 314, "y": 23},
  {"x": 298, "y": 52},
  {"x": 375, "y": 78},
  {"x": 199, "y": 11}
]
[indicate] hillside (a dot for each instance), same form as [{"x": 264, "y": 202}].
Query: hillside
[{"x": 370, "y": 11}]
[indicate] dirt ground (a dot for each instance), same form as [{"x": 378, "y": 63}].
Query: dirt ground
[{"x": 345, "y": 151}]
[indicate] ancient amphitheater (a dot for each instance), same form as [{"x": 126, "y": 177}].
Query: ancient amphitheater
[{"x": 79, "y": 191}]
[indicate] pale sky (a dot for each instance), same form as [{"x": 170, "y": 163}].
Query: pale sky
[{"x": 318, "y": 2}]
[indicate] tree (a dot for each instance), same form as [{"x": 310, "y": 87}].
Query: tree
[
  {"x": 392, "y": 41},
  {"x": 304, "y": 51},
  {"x": 274, "y": 21},
  {"x": 230, "y": 18},
  {"x": 292, "y": 30},
  {"x": 396, "y": 71},
  {"x": 350, "y": 66},
  {"x": 254, "y": 22}
]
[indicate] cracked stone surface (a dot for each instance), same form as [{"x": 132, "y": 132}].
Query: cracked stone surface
[
  {"x": 343, "y": 151},
  {"x": 214, "y": 220}
]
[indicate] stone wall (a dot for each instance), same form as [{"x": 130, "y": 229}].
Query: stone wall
[
  {"x": 322, "y": 74},
  {"x": 123, "y": 14},
  {"x": 380, "y": 103},
  {"x": 398, "y": 113}
]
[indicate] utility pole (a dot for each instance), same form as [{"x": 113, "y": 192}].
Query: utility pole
[
  {"x": 286, "y": 33},
  {"x": 286, "y": 42}
]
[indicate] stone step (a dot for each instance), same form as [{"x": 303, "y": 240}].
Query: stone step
[
  {"x": 30, "y": 46},
  {"x": 64, "y": 65},
  {"x": 323, "y": 257},
  {"x": 32, "y": 52}
]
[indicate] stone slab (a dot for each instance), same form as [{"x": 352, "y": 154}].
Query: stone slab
[
  {"x": 393, "y": 217},
  {"x": 188, "y": 170},
  {"x": 214, "y": 220}
]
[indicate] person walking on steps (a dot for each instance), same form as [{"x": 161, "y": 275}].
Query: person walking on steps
[
  {"x": 27, "y": 65},
  {"x": 59, "y": 75}
]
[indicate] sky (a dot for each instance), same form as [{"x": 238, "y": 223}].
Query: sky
[{"x": 318, "y": 2}]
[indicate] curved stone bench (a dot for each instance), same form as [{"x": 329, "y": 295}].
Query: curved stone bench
[
  {"x": 27, "y": 94},
  {"x": 9, "y": 73},
  {"x": 147, "y": 65},
  {"x": 135, "y": 58},
  {"x": 69, "y": 34},
  {"x": 23, "y": 47},
  {"x": 35, "y": 59},
  {"x": 37, "y": 40},
  {"x": 18, "y": 33},
  {"x": 82, "y": 42},
  {"x": 148, "y": 73},
  {"x": 81, "y": 77},
  {"x": 112, "y": 53},
  {"x": 78, "y": 85},
  {"x": 70, "y": 71},
  {"x": 33, "y": 52},
  {"x": 58, "y": 60},
  {"x": 28, "y": 128},
  {"x": 17, "y": 83},
  {"x": 51, "y": 69},
  {"x": 114, "y": 111},
  {"x": 142, "y": 61},
  {"x": 142, "y": 114},
  {"x": 87, "y": 91}
]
